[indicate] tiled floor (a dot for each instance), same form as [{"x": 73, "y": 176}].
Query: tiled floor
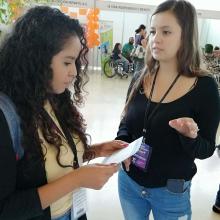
[{"x": 102, "y": 112}]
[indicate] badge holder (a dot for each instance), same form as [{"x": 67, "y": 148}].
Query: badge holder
[
  {"x": 142, "y": 157},
  {"x": 79, "y": 207}
]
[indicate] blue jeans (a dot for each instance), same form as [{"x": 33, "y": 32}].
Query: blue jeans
[
  {"x": 137, "y": 201},
  {"x": 66, "y": 216},
  {"x": 125, "y": 63}
]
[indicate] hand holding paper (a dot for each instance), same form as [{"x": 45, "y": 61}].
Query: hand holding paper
[{"x": 124, "y": 153}]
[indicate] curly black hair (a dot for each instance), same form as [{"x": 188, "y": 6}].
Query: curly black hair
[{"x": 25, "y": 75}]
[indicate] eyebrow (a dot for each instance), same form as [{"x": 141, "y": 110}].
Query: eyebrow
[
  {"x": 70, "y": 57},
  {"x": 166, "y": 26}
]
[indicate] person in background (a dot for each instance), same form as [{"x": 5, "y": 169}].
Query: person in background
[
  {"x": 138, "y": 52},
  {"x": 127, "y": 49},
  {"x": 138, "y": 55},
  {"x": 39, "y": 61},
  {"x": 140, "y": 34},
  {"x": 167, "y": 107},
  {"x": 216, "y": 52},
  {"x": 118, "y": 57},
  {"x": 216, "y": 206}
]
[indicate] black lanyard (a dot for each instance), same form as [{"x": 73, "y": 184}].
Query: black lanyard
[
  {"x": 66, "y": 132},
  {"x": 147, "y": 117}
]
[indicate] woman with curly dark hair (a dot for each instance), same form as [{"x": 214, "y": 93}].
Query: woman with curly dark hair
[{"x": 38, "y": 61}]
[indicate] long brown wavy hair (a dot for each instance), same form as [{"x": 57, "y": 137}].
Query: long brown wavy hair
[
  {"x": 188, "y": 56},
  {"x": 25, "y": 76}
]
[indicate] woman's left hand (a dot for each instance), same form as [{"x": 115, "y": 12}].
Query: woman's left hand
[
  {"x": 185, "y": 126},
  {"x": 107, "y": 148}
]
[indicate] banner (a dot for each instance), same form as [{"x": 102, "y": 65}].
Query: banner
[
  {"x": 125, "y": 7},
  {"x": 74, "y": 3},
  {"x": 106, "y": 38}
]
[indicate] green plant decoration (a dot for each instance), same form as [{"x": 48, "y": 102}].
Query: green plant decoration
[
  {"x": 5, "y": 12},
  {"x": 11, "y": 9}
]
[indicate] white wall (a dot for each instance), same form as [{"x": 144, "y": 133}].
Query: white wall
[
  {"x": 124, "y": 24},
  {"x": 203, "y": 25},
  {"x": 209, "y": 32},
  {"x": 199, "y": 4},
  {"x": 213, "y": 36}
]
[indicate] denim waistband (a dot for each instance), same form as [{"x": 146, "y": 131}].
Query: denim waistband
[{"x": 66, "y": 216}]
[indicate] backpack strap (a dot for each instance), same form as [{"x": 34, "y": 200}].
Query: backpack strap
[{"x": 13, "y": 120}]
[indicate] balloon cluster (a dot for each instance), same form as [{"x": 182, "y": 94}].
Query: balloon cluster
[
  {"x": 92, "y": 24},
  {"x": 93, "y": 27}
]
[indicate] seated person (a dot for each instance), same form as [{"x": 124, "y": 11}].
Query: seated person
[
  {"x": 118, "y": 58},
  {"x": 127, "y": 49}
]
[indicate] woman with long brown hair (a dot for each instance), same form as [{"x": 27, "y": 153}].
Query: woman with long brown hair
[{"x": 174, "y": 106}]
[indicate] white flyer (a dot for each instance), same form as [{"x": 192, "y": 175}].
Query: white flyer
[{"x": 124, "y": 153}]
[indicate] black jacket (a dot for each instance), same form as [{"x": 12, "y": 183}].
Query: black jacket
[{"x": 19, "y": 198}]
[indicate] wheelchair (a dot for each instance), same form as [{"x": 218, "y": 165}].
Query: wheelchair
[{"x": 112, "y": 68}]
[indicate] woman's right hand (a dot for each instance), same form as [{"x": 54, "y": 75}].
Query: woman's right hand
[{"x": 94, "y": 176}]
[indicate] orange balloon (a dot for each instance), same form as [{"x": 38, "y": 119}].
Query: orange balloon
[
  {"x": 96, "y": 26},
  {"x": 96, "y": 11},
  {"x": 95, "y": 35},
  {"x": 90, "y": 26},
  {"x": 93, "y": 26},
  {"x": 90, "y": 31},
  {"x": 90, "y": 16},
  {"x": 93, "y": 15},
  {"x": 95, "y": 18},
  {"x": 91, "y": 38},
  {"x": 97, "y": 43}
]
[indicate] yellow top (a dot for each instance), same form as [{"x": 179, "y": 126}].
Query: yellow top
[{"x": 53, "y": 170}]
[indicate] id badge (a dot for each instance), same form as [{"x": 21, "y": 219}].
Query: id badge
[
  {"x": 79, "y": 207},
  {"x": 142, "y": 157}
]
